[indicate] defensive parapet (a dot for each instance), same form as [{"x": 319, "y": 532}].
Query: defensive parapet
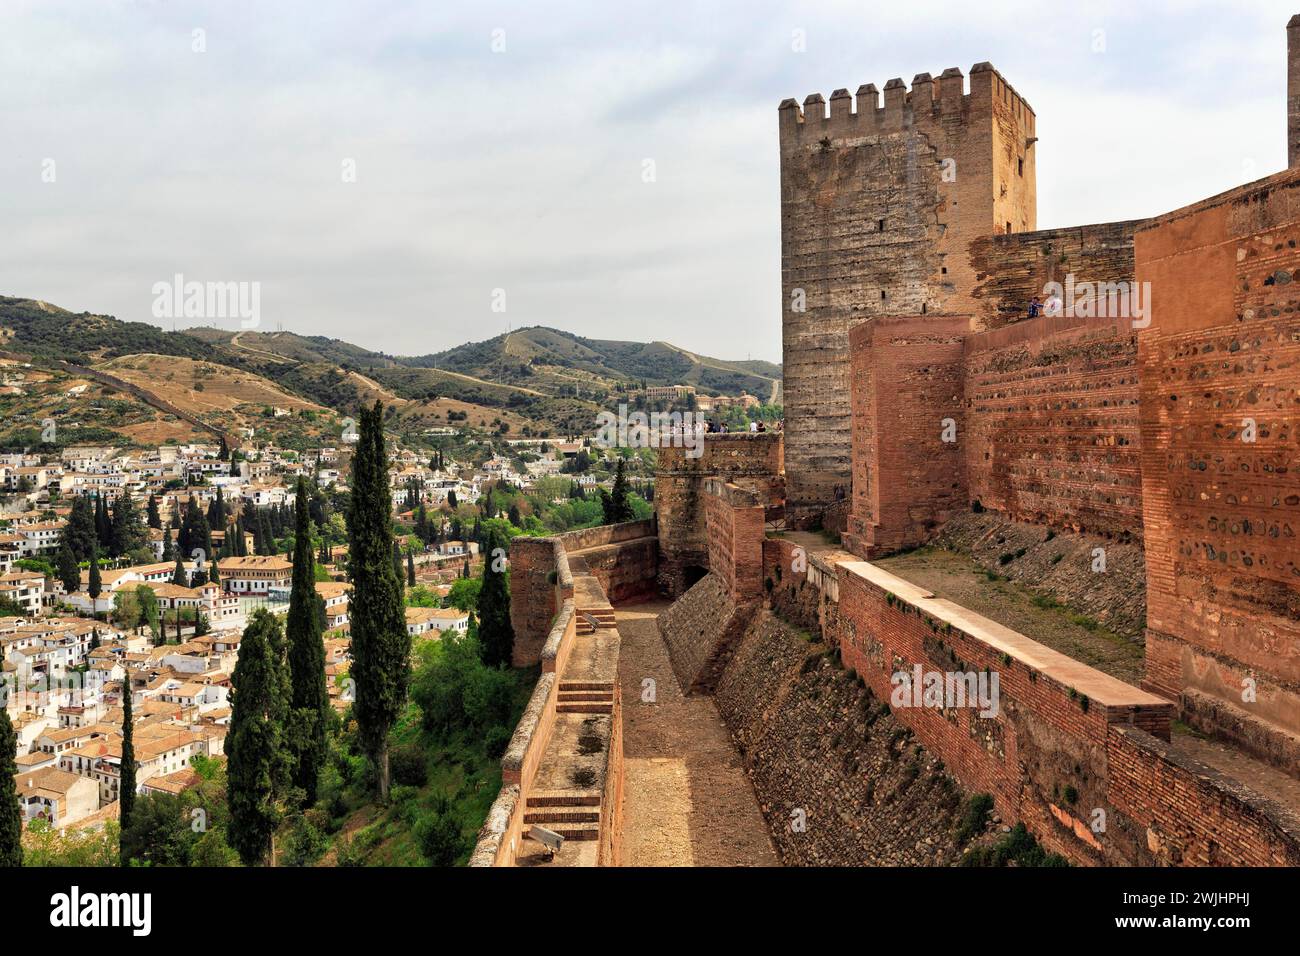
[{"x": 926, "y": 104}]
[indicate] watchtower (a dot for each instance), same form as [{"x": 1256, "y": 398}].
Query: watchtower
[{"x": 878, "y": 207}]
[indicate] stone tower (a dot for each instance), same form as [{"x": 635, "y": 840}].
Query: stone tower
[
  {"x": 878, "y": 208},
  {"x": 1293, "y": 91}
]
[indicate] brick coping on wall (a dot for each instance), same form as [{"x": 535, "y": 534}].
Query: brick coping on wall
[{"x": 1101, "y": 688}]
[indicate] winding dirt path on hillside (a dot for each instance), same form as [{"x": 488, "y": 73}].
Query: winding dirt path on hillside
[{"x": 687, "y": 800}]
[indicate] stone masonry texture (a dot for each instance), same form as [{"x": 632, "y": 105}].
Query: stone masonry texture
[
  {"x": 1220, "y": 421},
  {"x": 878, "y": 207}
]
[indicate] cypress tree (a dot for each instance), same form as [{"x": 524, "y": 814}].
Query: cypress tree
[
  {"x": 410, "y": 568},
  {"x": 126, "y": 531},
  {"x": 179, "y": 575},
  {"x": 397, "y": 561},
  {"x": 126, "y": 790},
  {"x": 95, "y": 586},
  {"x": 103, "y": 524},
  {"x": 495, "y": 632},
  {"x": 214, "y": 576},
  {"x": 253, "y": 746},
  {"x": 69, "y": 573},
  {"x": 381, "y": 647},
  {"x": 617, "y": 508},
  {"x": 154, "y": 517},
  {"x": 303, "y": 630},
  {"x": 80, "y": 532},
  {"x": 11, "y": 821}
]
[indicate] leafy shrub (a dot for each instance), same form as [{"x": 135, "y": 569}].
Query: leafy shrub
[
  {"x": 408, "y": 765},
  {"x": 305, "y": 844},
  {"x": 439, "y": 836},
  {"x": 1017, "y": 848},
  {"x": 974, "y": 817},
  {"x": 497, "y": 740}
]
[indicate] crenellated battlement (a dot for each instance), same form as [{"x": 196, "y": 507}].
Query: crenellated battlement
[{"x": 929, "y": 100}]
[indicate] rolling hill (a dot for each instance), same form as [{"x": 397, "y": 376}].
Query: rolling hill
[
  {"x": 549, "y": 354},
  {"x": 205, "y": 381}
]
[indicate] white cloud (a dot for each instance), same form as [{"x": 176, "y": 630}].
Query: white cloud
[{"x": 523, "y": 169}]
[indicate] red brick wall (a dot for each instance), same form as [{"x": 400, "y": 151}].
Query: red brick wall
[
  {"x": 623, "y": 557},
  {"x": 1041, "y": 724},
  {"x": 1191, "y": 815},
  {"x": 735, "y": 535},
  {"x": 1046, "y": 419},
  {"x": 752, "y": 461},
  {"x": 1052, "y": 423},
  {"x": 533, "y": 587},
  {"x": 1111, "y": 748},
  {"x": 907, "y": 382},
  {"x": 1222, "y": 514}
]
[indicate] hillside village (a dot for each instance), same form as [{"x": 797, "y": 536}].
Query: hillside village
[{"x": 135, "y": 572}]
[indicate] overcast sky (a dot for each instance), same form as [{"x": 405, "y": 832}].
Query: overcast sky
[{"x": 524, "y": 169}]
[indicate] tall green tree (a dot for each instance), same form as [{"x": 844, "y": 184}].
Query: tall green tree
[
  {"x": 179, "y": 575},
  {"x": 103, "y": 525},
  {"x": 11, "y": 820},
  {"x": 616, "y": 506},
  {"x": 150, "y": 613},
  {"x": 95, "y": 586},
  {"x": 254, "y": 744},
  {"x": 195, "y": 533},
  {"x": 309, "y": 699},
  {"x": 154, "y": 517},
  {"x": 410, "y": 568},
  {"x": 127, "y": 532},
  {"x": 126, "y": 788},
  {"x": 69, "y": 573},
  {"x": 79, "y": 533},
  {"x": 495, "y": 632},
  {"x": 381, "y": 647}
]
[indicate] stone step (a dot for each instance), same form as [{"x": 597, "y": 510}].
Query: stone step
[
  {"x": 565, "y": 798},
  {"x": 578, "y": 832},
  {"x": 604, "y": 617},
  {"x": 547, "y": 817},
  {"x": 572, "y": 697},
  {"x": 568, "y": 686},
  {"x": 584, "y": 708}
]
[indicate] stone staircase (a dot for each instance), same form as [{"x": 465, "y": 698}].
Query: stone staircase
[
  {"x": 574, "y": 816},
  {"x": 591, "y": 618},
  {"x": 585, "y": 697}
]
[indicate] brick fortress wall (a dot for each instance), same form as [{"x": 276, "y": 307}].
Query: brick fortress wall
[
  {"x": 1081, "y": 758},
  {"x": 1037, "y": 420},
  {"x": 751, "y": 461},
  {"x": 1052, "y": 423},
  {"x": 622, "y": 557},
  {"x": 1220, "y": 420},
  {"x": 1010, "y": 269},
  {"x": 907, "y": 398}
]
